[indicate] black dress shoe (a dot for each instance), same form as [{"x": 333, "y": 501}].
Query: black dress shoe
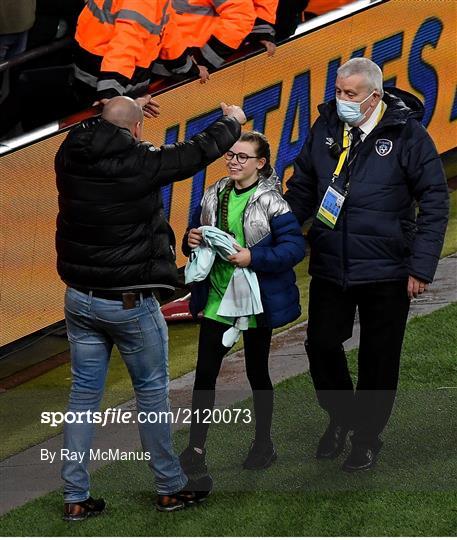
[
  {"x": 361, "y": 458},
  {"x": 332, "y": 442},
  {"x": 77, "y": 511}
]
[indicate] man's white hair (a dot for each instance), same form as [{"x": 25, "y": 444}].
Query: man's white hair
[{"x": 363, "y": 66}]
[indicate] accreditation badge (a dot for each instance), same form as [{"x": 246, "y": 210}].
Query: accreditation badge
[{"x": 330, "y": 207}]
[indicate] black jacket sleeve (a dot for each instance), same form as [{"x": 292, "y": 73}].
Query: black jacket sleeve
[
  {"x": 428, "y": 185},
  {"x": 178, "y": 161},
  {"x": 213, "y": 54},
  {"x": 301, "y": 191},
  {"x": 182, "y": 67},
  {"x": 262, "y": 30},
  {"x": 111, "y": 84}
]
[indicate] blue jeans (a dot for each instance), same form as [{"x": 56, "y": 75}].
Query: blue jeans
[
  {"x": 94, "y": 325},
  {"x": 12, "y": 45}
]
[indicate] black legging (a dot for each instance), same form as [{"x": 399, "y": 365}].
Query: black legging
[{"x": 210, "y": 354}]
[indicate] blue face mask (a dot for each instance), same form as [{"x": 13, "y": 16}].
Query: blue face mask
[{"x": 349, "y": 111}]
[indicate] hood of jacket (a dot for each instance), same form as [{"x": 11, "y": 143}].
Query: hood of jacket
[{"x": 97, "y": 139}]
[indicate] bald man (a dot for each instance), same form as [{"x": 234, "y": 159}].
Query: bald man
[
  {"x": 126, "y": 113},
  {"x": 114, "y": 247}
]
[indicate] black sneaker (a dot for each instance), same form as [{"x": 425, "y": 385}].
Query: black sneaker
[
  {"x": 78, "y": 511},
  {"x": 260, "y": 456},
  {"x": 193, "y": 463},
  {"x": 201, "y": 486},
  {"x": 194, "y": 492}
]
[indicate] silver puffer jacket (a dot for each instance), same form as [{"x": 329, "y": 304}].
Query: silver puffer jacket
[{"x": 264, "y": 204}]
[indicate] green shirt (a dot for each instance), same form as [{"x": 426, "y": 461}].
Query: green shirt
[{"x": 222, "y": 271}]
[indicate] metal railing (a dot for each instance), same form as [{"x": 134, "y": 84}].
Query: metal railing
[{"x": 38, "y": 52}]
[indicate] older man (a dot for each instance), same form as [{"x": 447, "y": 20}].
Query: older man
[
  {"x": 366, "y": 162},
  {"x": 114, "y": 246}
]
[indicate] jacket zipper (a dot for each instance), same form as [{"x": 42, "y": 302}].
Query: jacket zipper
[
  {"x": 244, "y": 228},
  {"x": 345, "y": 253},
  {"x": 345, "y": 226},
  {"x": 335, "y": 134}
]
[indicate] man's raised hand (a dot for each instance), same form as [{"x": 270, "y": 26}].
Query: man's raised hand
[{"x": 233, "y": 111}]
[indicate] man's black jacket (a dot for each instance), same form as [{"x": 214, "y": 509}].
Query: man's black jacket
[
  {"x": 378, "y": 236},
  {"x": 111, "y": 227}
]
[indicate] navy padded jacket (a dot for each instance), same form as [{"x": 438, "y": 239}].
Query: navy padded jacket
[
  {"x": 378, "y": 236},
  {"x": 272, "y": 259}
]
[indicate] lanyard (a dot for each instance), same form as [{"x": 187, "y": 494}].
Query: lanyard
[
  {"x": 343, "y": 155},
  {"x": 347, "y": 144}
]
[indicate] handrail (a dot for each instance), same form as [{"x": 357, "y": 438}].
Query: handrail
[
  {"x": 33, "y": 54},
  {"x": 160, "y": 86}
]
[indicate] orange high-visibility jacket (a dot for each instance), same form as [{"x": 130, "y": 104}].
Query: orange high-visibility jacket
[
  {"x": 265, "y": 13},
  {"x": 216, "y": 27},
  {"x": 266, "y": 10},
  {"x": 319, "y": 7},
  {"x": 127, "y": 33}
]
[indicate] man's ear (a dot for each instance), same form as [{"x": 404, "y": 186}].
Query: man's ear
[
  {"x": 137, "y": 130},
  {"x": 377, "y": 95}
]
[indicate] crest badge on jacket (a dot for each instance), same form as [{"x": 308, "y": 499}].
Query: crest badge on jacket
[{"x": 383, "y": 147}]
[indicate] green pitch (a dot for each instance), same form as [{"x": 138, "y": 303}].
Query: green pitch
[{"x": 412, "y": 492}]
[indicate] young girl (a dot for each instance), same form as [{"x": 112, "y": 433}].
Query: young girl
[{"x": 248, "y": 205}]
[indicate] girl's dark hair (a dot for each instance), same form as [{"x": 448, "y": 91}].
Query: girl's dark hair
[
  {"x": 262, "y": 151},
  {"x": 224, "y": 206}
]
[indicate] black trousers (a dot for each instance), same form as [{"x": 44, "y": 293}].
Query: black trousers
[
  {"x": 210, "y": 354},
  {"x": 383, "y": 311}
]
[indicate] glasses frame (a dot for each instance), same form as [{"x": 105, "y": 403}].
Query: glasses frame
[{"x": 237, "y": 157}]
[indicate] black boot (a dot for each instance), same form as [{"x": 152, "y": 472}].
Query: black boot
[
  {"x": 332, "y": 442},
  {"x": 260, "y": 456}
]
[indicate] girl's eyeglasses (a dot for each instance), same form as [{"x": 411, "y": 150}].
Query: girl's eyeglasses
[{"x": 241, "y": 157}]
